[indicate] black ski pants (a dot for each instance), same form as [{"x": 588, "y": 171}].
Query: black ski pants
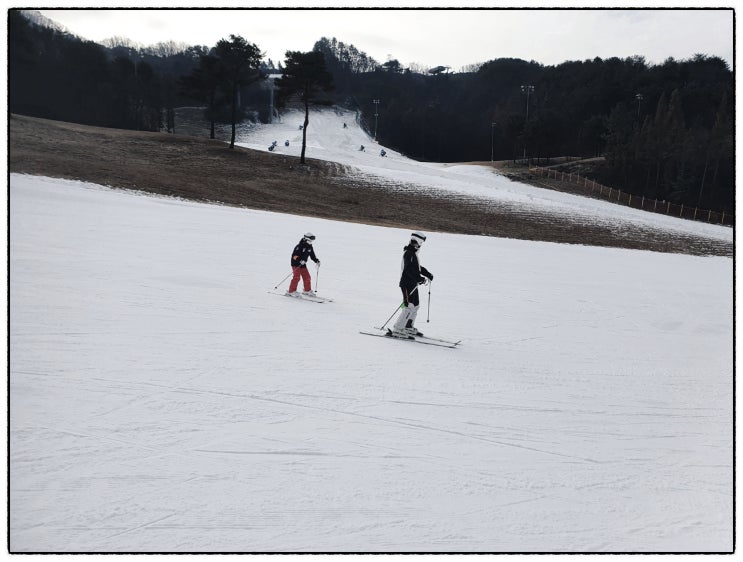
[{"x": 410, "y": 295}]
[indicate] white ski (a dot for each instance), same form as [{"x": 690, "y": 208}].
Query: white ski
[
  {"x": 439, "y": 340},
  {"x": 450, "y": 342},
  {"x": 303, "y": 297},
  {"x": 424, "y": 341}
]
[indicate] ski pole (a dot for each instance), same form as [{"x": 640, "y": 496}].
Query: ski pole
[
  {"x": 398, "y": 308},
  {"x": 428, "y": 317},
  {"x": 284, "y": 279},
  {"x": 317, "y": 276},
  {"x": 390, "y": 318}
]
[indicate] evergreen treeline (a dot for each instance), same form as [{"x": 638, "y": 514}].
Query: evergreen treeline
[
  {"x": 665, "y": 131},
  {"x": 56, "y": 75}
]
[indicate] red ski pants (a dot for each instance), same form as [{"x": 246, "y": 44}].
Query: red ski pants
[{"x": 306, "y": 279}]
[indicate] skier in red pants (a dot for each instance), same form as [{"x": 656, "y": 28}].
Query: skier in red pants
[{"x": 302, "y": 252}]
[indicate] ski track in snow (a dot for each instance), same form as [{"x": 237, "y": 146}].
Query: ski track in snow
[{"x": 162, "y": 400}]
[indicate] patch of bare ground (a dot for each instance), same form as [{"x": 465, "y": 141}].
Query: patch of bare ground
[{"x": 208, "y": 170}]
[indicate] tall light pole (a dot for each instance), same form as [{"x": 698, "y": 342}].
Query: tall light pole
[
  {"x": 639, "y": 98},
  {"x": 492, "y": 128},
  {"x": 376, "y": 117},
  {"x": 526, "y": 89}
]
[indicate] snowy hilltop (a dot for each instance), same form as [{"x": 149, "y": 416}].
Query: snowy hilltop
[{"x": 165, "y": 397}]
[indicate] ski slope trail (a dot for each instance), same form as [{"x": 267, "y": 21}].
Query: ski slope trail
[
  {"x": 334, "y": 135},
  {"x": 161, "y": 400}
]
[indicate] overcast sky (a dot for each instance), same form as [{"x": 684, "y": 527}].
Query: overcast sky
[{"x": 450, "y": 37}]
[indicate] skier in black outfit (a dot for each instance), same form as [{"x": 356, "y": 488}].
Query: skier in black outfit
[
  {"x": 301, "y": 253},
  {"x": 413, "y": 274}
]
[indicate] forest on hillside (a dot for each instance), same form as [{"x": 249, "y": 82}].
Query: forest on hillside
[{"x": 663, "y": 131}]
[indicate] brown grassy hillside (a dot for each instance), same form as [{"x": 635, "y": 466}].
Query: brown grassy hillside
[{"x": 207, "y": 170}]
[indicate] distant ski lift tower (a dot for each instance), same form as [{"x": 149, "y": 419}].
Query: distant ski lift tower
[
  {"x": 639, "y": 98},
  {"x": 376, "y": 117}
]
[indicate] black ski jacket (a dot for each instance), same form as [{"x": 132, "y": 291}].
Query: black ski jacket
[
  {"x": 412, "y": 272},
  {"x": 301, "y": 253}
]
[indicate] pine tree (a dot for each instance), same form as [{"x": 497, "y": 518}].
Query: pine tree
[
  {"x": 239, "y": 62},
  {"x": 203, "y": 85},
  {"x": 721, "y": 144},
  {"x": 306, "y": 76}
]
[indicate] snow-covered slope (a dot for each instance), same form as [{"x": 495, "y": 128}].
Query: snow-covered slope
[
  {"x": 328, "y": 139},
  {"x": 161, "y": 399}
]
